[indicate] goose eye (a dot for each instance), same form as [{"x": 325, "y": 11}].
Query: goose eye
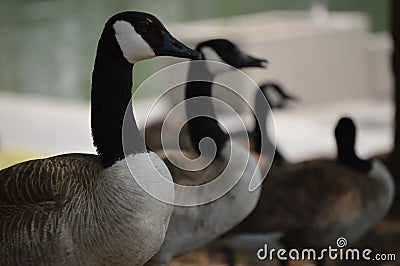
[{"x": 144, "y": 26}]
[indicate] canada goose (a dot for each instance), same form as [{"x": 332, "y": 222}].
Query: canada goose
[
  {"x": 193, "y": 226},
  {"x": 313, "y": 203},
  {"x": 85, "y": 209},
  {"x": 277, "y": 98},
  {"x": 221, "y": 51}
]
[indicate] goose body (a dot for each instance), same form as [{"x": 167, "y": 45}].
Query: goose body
[
  {"x": 83, "y": 209},
  {"x": 62, "y": 209},
  {"x": 326, "y": 206},
  {"x": 313, "y": 203},
  {"x": 191, "y": 227}
]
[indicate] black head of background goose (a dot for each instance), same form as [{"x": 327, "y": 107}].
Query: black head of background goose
[
  {"x": 277, "y": 97},
  {"x": 222, "y": 50},
  {"x": 345, "y": 133}
]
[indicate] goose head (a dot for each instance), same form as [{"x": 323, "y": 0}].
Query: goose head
[
  {"x": 276, "y": 95},
  {"x": 224, "y": 51},
  {"x": 345, "y": 134},
  {"x": 127, "y": 38},
  {"x": 141, "y": 36}
]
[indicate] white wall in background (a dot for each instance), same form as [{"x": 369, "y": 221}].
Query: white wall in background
[{"x": 320, "y": 59}]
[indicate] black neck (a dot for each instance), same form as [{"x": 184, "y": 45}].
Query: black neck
[
  {"x": 348, "y": 157},
  {"x": 260, "y": 134},
  {"x": 202, "y": 127},
  {"x": 260, "y": 118},
  {"x": 111, "y": 95}
]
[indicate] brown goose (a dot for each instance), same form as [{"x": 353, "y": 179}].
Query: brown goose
[
  {"x": 83, "y": 209},
  {"x": 313, "y": 203},
  {"x": 193, "y": 226}
]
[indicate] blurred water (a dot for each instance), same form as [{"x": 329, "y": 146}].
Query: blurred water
[{"x": 47, "y": 47}]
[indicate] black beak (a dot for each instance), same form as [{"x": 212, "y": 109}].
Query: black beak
[
  {"x": 250, "y": 61},
  {"x": 289, "y": 97},
  {"x": 173, "y": 47},
  {"x": 279, "y": 106}
]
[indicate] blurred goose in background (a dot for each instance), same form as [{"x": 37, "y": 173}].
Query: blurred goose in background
[
  {"x": 277, "y": 98},
  {"x": 191, "y": 227},
  {"x": 313, "y": 203},
  {"x": 217, "y": 50},
  {"x": 85, "y": 209}
]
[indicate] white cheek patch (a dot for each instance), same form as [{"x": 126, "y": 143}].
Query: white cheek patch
[
  {"x": 212, "y": 55},
  {"x": 273, "y": 97},
  {"x": 132, "y": 45}
]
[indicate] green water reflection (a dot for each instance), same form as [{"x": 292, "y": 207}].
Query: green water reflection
[{"x": 47, "y": 47}]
